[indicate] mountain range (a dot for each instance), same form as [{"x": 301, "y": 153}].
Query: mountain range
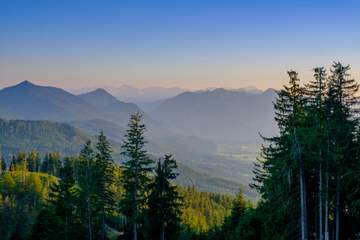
[
  {"x": 213, "y": 133},
  {"x": 138, "y": 95},
  {"x": 220, "y": 114},
  {"x": 32, "y": 102}
]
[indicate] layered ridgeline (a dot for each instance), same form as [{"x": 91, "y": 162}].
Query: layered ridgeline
[
  {"x": 220, "y": 114},
  {"x": 32, "y": 102},
  {"x": 98, "y": 110}
]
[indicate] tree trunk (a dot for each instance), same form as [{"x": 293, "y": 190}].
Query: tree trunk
[
  {"x": 303, "y": 209},
  {"x": 89, "y": 221},
  {"x": 327, "y": 209},
  {"x": 162, "y": 234},
  {"x": 135, "y": 214},
  {"x": 66, "y": 227},
  {"x": 304, "y": 235},
  {"x": 338, "y": 207},
  {"x": 103, "y": 225},
  {"x": 320, "y": 202},
  {"x": 134, "y": 231}
]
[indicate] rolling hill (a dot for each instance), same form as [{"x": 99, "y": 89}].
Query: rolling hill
[{"x": 42, "y": 136}]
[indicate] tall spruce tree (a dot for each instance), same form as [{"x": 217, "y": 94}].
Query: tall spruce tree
[
  {"x": 63, "y": 197},
  {"x": 136, "y": 174},
  {"x": 164, "y": 201},
  {"x": 316, "y": 91},
  {"x": 104, "y": 178},
  {"x": 316, "y": 155},
  {"x": 341, "y": 106},
  {"x": 87, "y": 190},
  {"x": 282, "y": 177}
]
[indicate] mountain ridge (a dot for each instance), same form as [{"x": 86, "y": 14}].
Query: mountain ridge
[{"x": 220, "y": 114}]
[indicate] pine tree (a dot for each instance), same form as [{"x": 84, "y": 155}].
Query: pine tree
[
  {"x": 46, "y": 226},
  {"x": 87, "y": 190},
  {"x": 282, "y": 177},
  {"x": 104, "y": 178},
  {"x": 164, "y": 201},
  {"x": 137, "y": 167},
  {"x": 33, "y": 161},
  {"x": 341, "y": 105},
  {"x": 63, "y": 197},
  {"x": 316, "y": 91},
  {"x": 2, "y": 165}
]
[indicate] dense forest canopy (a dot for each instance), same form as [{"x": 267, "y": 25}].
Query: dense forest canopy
[{"x": 47, "y": 196}]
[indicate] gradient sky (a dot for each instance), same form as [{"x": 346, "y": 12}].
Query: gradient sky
[{"x": 187, "y": 43}]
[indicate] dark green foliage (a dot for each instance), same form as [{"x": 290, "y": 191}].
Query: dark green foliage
[
  {"x": 304, "y": 174},
  {"x": 42, "y": 136},
  {"x": 104, "y": 178},
  {"x": 51, "y": 164},
  {"x": 136, "y": 170},
  {"x": 86, "y": 178},
  {"x": 63, "y": 200},
  {"x": 164, "y": 204},
  {"x": 46, "y": 226},
  {"x": 3, "y": 167},
  {"x": 34, "y": 162}
]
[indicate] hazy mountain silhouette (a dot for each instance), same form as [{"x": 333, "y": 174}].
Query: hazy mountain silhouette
[
  {"x": 221, "y": 114},
  {"x": 114, "y": 108},
  {"x": 137, "y": 95},
  {"x": 30, "y": 101},
  {"x": 189, "y": 122}
]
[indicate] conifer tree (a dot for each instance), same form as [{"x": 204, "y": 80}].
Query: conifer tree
[
  {"x": 316, "y": 91},
  {"x": 2, "y": 165},
  {"x": 46, "y": 226},
  {"x": 12, "y": 166},
  {"x": 282, "y": 178},
  {"x": 63, "y": 198},
  {"x": 341, "y": 106},
  {"x": 164, "y": 201},
  {"x": 33, "y": 161},
  {"x": 137, "y": 167},
  {"x": 87, "y": 190},
  {"x": 104, "y": 170}
]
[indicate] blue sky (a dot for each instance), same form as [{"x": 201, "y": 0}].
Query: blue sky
[{"x": 191, "y": 44}]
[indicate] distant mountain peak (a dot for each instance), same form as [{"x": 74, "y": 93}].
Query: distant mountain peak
[
  {"x": 25, "y": 83},
  {"x": 100, "y": 90},
  {"x": 99, "y": 98}
]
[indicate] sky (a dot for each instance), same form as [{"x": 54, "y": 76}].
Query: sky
[{"x": 192, "y": 44}]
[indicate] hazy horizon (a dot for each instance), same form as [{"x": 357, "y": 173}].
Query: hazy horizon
[{"x": 187, "y": 44}]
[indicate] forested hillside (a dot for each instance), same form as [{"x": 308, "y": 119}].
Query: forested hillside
[
  {"x": 42, "y": 136},
  {"x": 18, "y": 136},
  {"x": 51, "y": 197}
]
